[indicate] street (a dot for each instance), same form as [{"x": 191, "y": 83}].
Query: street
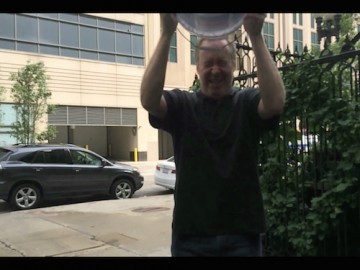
[
  {"x": 149, "y": 189},
  {"x": 92, "y": 227}
]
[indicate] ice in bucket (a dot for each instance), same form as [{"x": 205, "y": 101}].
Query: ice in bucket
[{"x": 211, "y": 25}]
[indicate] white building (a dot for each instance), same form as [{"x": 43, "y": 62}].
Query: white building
[{"x": 96, "y": 61}]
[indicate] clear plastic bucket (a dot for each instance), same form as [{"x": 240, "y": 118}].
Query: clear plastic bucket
[{"x": 211, "y": 25}]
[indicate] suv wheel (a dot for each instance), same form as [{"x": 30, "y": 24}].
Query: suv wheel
[
  {"x": 122, "y": 189},
  {"x": 25, "y": 196}
]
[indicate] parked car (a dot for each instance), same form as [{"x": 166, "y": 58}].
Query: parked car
[
  {"x": 165, "y": 173},
  {"x": 32, "y": 173}
]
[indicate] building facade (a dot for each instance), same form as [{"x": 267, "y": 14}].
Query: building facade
[{"x": 95, "y": 63}]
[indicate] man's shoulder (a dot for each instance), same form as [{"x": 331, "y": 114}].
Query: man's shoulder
[
  {"x": 179, "y": 91},
  {"x": 179, "y": 94},
  {"x": 248, "y": 92}
]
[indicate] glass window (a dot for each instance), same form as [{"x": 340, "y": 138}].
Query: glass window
[
  {"x": 269, "y": 36},
  {"x": 123, "y": 43},
  {"x": 107, "y": 57},
  {"x": 173, "y": 49},
  {"x": 28, "y": 157},
  {"x": 61, "y": 34},
  {"x": 312, "y": 21},
  {"x": 27, "y": 29},
  {"x": 27, "y": 47},
  {"x": 123, "y": 59},
  {"x": 88, "y": 38},
  {"x": 69, "y": 52},
  {"x": 48, "y": 32},
  {"x": 69, "y": 35},
  {"x": 314, "y": 41},
  {"x": 106, "y": 40},
  {"x": 89, "y": 55},
  {"x": 138, "y": 46},
  {"x": 84, "y": 158},
  {"x": 7, "y": 139},
  {"x": 49, "y": 15},
  {"x": 88, "y": 20},
  {"x": 138, "y": 61},
  {"x": 69, "y": 17},
  {"x": 124, "y": 27},
  {"x": 7, "y": 23},
  {"x": 8, "y": 114},
  {"x": 106, "y": 23},
  {"x": 48, "y": 49},
  {"x": 57, "y": 156},
  {"x": 298, "y": 40},
  {"x": 137, "y": 29},
  {"x": 7, "y": 45},
  {"x": 193, "y": 41}
]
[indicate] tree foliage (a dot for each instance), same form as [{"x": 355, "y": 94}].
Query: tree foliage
[
  {"x": 311, "y": 197},
  {"x": 30, "y": 94}
]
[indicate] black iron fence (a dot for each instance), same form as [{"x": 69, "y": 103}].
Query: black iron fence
[{"x": 310, "y": 167}]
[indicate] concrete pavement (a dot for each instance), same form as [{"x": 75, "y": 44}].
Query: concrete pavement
[
  {"x": 136, "y": 227},
  {"x": 123, "y": 228}
]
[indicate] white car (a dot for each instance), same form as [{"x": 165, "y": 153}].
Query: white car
[{"x": 165, "y": 173}]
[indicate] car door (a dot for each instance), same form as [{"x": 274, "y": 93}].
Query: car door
[
  {"x": 53, "y": 169},
  {"x": 90, "y": 176}
]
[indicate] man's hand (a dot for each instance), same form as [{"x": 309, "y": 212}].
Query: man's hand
[
  {"x": 253, "y": 23},
  {"x": 168, "y": 22}
]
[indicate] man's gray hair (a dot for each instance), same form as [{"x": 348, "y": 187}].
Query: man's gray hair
[{"x": 230, "y": 45}]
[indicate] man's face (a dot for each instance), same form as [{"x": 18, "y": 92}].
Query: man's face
[{"x": 215, "y": 68}]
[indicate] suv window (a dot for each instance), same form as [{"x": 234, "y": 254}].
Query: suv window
[
  {"x": 81, "y": 157},
  {"x": 4, "y": 153},
  {"x": 52, "y": 156}
]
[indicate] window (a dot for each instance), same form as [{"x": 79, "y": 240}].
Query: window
[
  {"x": 173, "y": 49},
  {"x": 269, "y": 36},
  {"x": 312, "y": 21},
  {"x": 8, "y": 117},
  {"x": 298, "y": 40},
  {"x": 298, "y": 19},
  {"x": 314, "y": 41},
  {"x": 69, "y": 36},
  {"x": 27, "y": 29},
  {"x": 57, "y": 156},
  {"x": 48, "y": 32},
  {"x": 88, "y": 39},
  {"x": 73, "y": 35},
  {"x": 84, "y": 158},
  {"x": 106, "y": 40},
  {"x": 7, "y": 29},
  {"x": 193, "y": 41}
]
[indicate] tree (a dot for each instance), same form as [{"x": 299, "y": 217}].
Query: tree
[{"x": 30, "y": 95}]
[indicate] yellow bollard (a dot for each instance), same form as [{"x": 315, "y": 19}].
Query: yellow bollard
[
  {"x": 135, "y": 154},
  {"x": 86, "y": 146}
]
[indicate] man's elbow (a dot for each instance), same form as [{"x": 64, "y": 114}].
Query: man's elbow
[
  {"x": 273, "y": 109},
  {"x": 278, "y": 107}
]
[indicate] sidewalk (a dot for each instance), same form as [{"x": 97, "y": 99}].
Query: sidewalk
[{"x": 138, "y": 227}]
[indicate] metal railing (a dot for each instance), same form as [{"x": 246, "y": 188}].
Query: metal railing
[{"x": 306, "y": 140}]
